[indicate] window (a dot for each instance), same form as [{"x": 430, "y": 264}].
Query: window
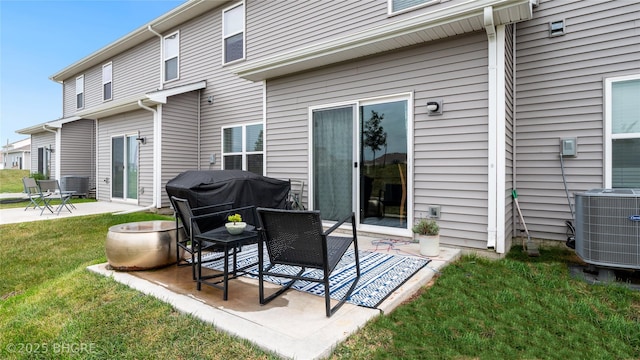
[
  {"x": 622, "y": 131},
  {"x": 401, "y": 5},
  {"x": 106, "y": 82},
  {"x": 80, "y": 92},
  {"x": 171, "y": 55},
  {"x": 242, "y": 148},
  {"x": 233, "y": 33}
]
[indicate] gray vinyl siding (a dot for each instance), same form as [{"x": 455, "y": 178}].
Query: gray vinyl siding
[
  {"x": 450, "y": 153},
  {"x": 131, "y": 123},
  {"x": 135, "y": 71},
  {"x": 235, "y": 101},
  {"x": 179, "y": 137},
  {"x": 280, "y": 26},
  {"x": 42, "y": 140},
  {"x": 77, "y": 153},
  {"x": 560, "y": 94},
  {"x": 509, "y": 128}
]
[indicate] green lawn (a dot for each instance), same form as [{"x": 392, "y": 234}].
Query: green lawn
[{"x": 11, "y": 180}]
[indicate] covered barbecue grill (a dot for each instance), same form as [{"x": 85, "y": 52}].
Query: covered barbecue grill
[{"x": 242, "y": 188}]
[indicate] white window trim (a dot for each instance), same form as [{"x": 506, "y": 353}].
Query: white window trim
[
  {"x": 80, "y": 78},
  {"x": 608, "y": 136},
  {"x": 164, "y": 59},
  {"x": 244, "y": 152},
  {"x": 390, "y": 11},
  {"x": 109, "y": 64},
  {"x": 244, "y": 34}
]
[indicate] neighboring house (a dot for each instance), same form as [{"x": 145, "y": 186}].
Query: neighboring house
[
  {"x": 63, "y": 147},
  {"x": 16, "y": 155},
  {"x": 394, "y": 109}
]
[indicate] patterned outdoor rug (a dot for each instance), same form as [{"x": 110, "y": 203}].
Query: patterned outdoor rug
[{"x": 380, "y": 274}]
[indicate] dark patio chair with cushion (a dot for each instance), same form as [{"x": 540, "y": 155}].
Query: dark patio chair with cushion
[{"x": 296, "y": 238}]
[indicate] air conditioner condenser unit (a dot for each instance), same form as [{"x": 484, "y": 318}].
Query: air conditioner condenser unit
[{"x": 608, "y": 227}]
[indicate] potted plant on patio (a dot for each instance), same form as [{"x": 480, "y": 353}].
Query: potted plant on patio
[
  {"x": 428, "y": 234},
  {"x": 235, "y": 225}
]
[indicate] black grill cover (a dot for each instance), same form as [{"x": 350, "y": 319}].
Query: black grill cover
[{"x": 242, "y": 188}]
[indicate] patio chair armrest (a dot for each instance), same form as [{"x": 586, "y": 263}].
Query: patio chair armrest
[{"x": 336, "y": 225}]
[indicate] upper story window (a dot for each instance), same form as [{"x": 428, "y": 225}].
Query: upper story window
[
  {"x": 80, "y": 92},
  {"x": 107, "y": 83},
  {"x": 401, "y": 5},
  {"x": 622, "y": 132},
  {"x": 233, "y": 33},
  {"x": 171, "y": 56},
  {"x": 242, "y": 148}
]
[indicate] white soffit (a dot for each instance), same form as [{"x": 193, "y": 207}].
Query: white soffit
[{"x": 450, "y": 21}]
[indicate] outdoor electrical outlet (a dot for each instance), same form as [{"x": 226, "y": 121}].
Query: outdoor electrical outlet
[
  {"x": 434, "y": 211},
  {"x": 568, "y": 147}
]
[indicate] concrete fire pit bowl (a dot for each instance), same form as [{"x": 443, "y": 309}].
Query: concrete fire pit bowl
[{"x": 142, "y": 245}]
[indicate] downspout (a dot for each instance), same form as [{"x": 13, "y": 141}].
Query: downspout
[
  {"x": 156, "y": 162},
  {"x": 161, "y": 56},
  {"x": 491, "y": 131},
  {"x": 501, "y": 128},
  {"x": 514, "y": 184},
  {"x": 198, "y": 129},
  {"x": 56, "y": 153}
]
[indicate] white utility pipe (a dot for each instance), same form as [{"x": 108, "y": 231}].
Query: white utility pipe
[
  {"x": 161, "y": 56},
  {"x": 492, "y": 152}
]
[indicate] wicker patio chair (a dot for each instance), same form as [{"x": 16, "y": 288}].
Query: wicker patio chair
[{"x": 296, "y": 238}]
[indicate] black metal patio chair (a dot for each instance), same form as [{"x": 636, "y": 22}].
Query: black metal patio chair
[{"x": 296, "y": 238}]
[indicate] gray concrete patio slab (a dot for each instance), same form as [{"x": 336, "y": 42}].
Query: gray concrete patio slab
[
  {"x": 294, "y": 325},
  {"x": 19, "y": 215}
]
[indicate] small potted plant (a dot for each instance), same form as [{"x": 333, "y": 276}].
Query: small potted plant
[
  {"x": 235, "y": 225},
  {"x": 428, "y": 234}
]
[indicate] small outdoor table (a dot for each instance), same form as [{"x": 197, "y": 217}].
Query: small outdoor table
[{"x": 220, "y": 237}]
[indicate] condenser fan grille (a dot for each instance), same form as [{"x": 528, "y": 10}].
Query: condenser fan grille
[{"x": 608, "y": 227}]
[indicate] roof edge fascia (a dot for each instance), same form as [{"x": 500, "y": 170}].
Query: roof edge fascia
[
  {"x": 252, "y": 70},
  {"x": 160, "y": 96},
  {"x": 131, "y": 102},
  {"x": 52, "y": 124}
]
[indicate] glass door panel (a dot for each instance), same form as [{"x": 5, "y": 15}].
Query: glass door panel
[
  {"x": 332, "y": 151},
  {"x": 383, "y": 159},
  {"x": 124, "y": 167},
  {"x": 117, "y": 167},
  {"x": 132, "y": 168}
]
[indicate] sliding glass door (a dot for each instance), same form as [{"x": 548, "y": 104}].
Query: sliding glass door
[
  {"x": 359, "y": 157},
  {"x": 124, "y": 167}
]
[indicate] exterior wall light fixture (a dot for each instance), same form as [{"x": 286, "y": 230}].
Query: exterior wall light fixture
[{"x": 434, "y": 107}]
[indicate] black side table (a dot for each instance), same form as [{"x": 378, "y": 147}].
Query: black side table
[{"x": 221, "y": 238}]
